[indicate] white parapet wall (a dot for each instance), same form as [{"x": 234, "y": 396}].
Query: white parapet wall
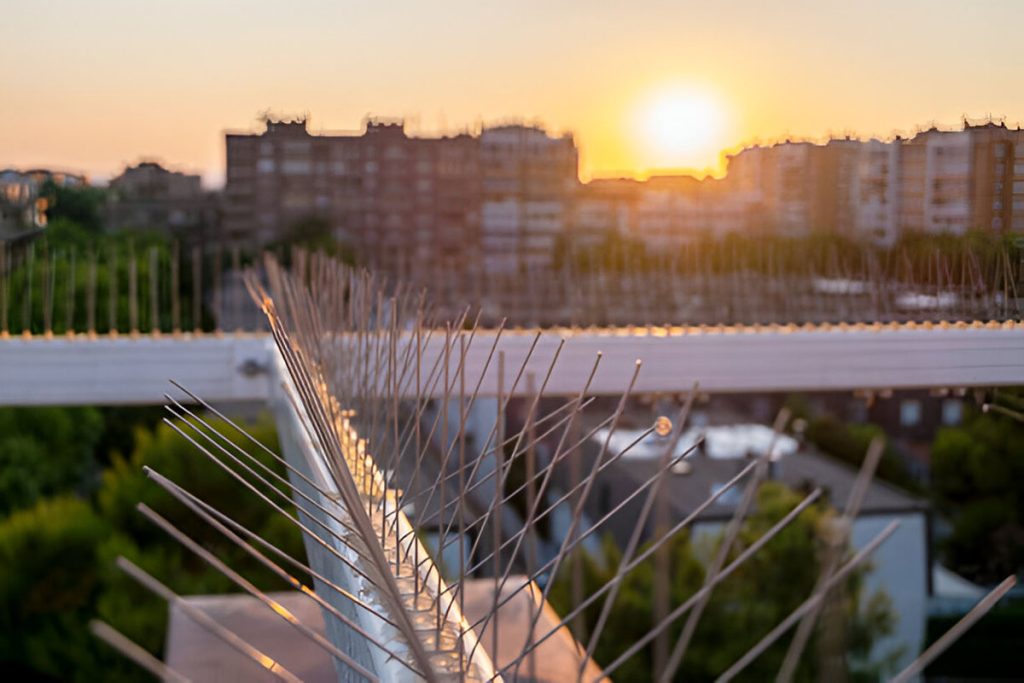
[
  {"x": 221, "y": 368},
  {"x": 127, "y": 370}
]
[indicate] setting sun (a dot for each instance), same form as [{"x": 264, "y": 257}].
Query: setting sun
[{"x": 681, "y": 128}]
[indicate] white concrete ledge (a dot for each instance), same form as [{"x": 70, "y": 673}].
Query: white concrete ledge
[
  {"x": 739, "y": 360},
  {"x": 132, "y": 370},
  {"x": 136, "y": 370}
]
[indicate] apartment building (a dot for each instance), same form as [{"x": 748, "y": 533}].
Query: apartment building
[
  {"x": 498, "y": 199},
  {"x": 938, "y": 182},
  {"x": 875, "y": 193},
  {"x": 529, "y": 180},
  {"x": 663, "y": 211},
  {"x": 22, "y": 204},
  {"x": 149, "y": 196},
  {"x": 955, "y": 181},
  {"x": 421, "y": 199},
  {"x": 668, "y": 211},
  {"x": 803, "y": 187},
  {"x": 602, "y": 208},
  {"x": 727, "y": 210},
  {"x": 834, "y": 177},
  {"x": 947, "y": 182},
  {"x": 997, "y": 178}
]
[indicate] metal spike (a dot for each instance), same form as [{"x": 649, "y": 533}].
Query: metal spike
[{"x": 207, "y": 622}]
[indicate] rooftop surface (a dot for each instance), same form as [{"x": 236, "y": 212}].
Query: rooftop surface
[{"x": 196, "y": 654}]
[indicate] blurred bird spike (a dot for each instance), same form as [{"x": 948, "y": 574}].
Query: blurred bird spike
[{"x": 371, "y": 377}]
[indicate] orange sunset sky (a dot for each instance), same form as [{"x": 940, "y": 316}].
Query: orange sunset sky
[{"x": 645, "y": 86}]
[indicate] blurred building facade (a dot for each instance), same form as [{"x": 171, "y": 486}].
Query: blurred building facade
[
  {"x": 151, "y": 197},
  {"x": 529, "y": 182},
  {"x": 498, "y": 199},
  {"x": 22, "y": 204},
  {"x": 937, "y": 182},
  {"x": 501, "y": 200}
]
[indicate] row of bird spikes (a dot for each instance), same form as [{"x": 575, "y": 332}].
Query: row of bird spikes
[{"x": 351, "y": 383}]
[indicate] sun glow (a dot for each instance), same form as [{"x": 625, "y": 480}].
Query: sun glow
[{"x": 682, "y": 128}]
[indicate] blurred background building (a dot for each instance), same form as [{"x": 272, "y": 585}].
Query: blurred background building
[{"x": 149, "y": 196}]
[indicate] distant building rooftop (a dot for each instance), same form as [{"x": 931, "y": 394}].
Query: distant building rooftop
[{"x": 726, "y": 450}]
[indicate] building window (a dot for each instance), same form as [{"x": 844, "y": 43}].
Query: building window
[
  {"x": 297, "y": 147},
  {"x": 910, "y": 413},
  {"x": 952, "y": 412},
  {"x": 296, "y": 167},
  {"x": 731, "y": 497}
]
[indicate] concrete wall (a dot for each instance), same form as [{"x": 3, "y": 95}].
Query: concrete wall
[{"x": 127, "y": 370}]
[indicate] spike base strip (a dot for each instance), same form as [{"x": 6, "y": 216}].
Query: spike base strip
[{"x": 442, "y": 648}]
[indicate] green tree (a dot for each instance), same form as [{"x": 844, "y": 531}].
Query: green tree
[
  {"x": 50, "y": 579},
  {"x": 70, "y": 270},
  {"x": 80, "y": 205},
  {"x": 742, "y": 609},
  {"x": 123, "y": 603},
  {"x": 849, "y": 443},
  {"x": 45, "y": 451},
  {"x": 57, "y": 558},
  {"x": 312, "y": 234},
  {"x": 977, "y": 473}
]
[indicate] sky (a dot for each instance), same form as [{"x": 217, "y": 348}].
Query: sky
[{"x": 646, "y": 86}]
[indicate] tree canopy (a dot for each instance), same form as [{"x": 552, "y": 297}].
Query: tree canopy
[
  {"x": 59, "y": 557},
  {"x": 978, "y": 483},
  {"x": 742, "y": 609}
]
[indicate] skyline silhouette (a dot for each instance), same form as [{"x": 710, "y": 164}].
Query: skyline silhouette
[{"x": 213, "y": 178}]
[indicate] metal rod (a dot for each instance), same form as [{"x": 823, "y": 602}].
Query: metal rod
[
  {"x": 721, "y": 576},
  {"x": 221, "y": 522},
  {"x": 252, "y": 590},
  {"x": 206, "y": 621},
  {"x": 860, "y": 488},
  {"x": 725, "y": 547},
  {"x": 957, "y": 630},
  {"x": 137, "y": 654}
]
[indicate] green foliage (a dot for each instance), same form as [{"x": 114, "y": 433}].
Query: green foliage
[
  {"x": 978, "y": 481},
  {"x": 990, "y": 650},
  {"x": 914, "y": 258},
  {"x": 312, "y": 234},
  {"x": 49, "y": 584},
  {"x": 742, "y": 609},
  {"x": 849, "y": 443},
  {"x": 81, "y": 205},
  {"x": 122, "y": 425},
  {"x": 61, "y": 557},
  {"x": 68, "y": 234},
  {"x": 54, "y": 283},
  {"x": 45, "y": 451}
]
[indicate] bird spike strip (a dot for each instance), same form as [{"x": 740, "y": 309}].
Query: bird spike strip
[{"x": 378, "y": 382}]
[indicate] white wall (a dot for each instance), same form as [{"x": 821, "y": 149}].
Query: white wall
[{"x": 900, "y": 568}]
